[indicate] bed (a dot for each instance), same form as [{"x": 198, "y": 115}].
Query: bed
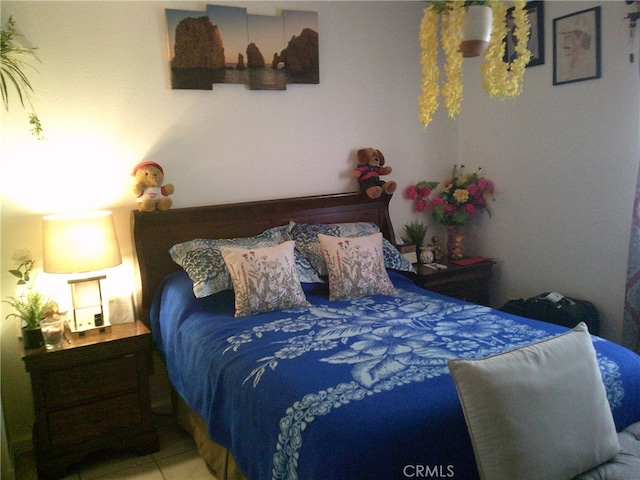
[{"x": 346, "y": 388}]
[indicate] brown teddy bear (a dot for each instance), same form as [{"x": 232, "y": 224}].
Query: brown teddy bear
[
  {"x": 151, "y": 194},
  {"x": 370, "y": 167}
]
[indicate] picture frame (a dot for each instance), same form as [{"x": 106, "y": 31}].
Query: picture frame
[
  {"x": 577, "y": 47},
  {"x": 535, "y": 11}
]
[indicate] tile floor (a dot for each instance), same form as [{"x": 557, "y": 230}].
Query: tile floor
[{"x": 177, "y": 459}]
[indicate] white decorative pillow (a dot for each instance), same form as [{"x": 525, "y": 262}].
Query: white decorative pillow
[
  {"x": 539, "y": 411},
  {"x": 264, "y": 279},
  {"x": 355, "y": 266}
]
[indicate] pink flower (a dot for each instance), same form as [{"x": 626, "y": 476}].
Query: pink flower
[
  {"x": 437, "y": 201},
  {"x": 480, "y": 201},
  {"x": 412, "y": 192},
  {"x": 450, "y": 209},
  {"x": 469, "y": 209},
  {"x": 421, "y": 205},
  {"x": 424, "y": 192},
  {"x": 473, "y": 189},
  {"x": 485, "y": 185}
]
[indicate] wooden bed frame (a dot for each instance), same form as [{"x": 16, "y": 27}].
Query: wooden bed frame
[{"x": 156, "y": 232}]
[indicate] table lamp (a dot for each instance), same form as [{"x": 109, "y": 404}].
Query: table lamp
[{"x": 76, "y": 244}]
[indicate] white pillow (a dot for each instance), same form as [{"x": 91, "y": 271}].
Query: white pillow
[
  {"x": 539, "y": 411},
  {"x": 355, "y": 266},
  {"x": 264, "y": 279}
]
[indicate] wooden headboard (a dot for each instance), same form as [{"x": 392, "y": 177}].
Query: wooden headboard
[{"x": 156, "y": 232}]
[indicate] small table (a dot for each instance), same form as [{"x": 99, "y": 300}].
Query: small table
[
  {"x": 91, "y": 394},
  {"x": 465, "y": 282}
]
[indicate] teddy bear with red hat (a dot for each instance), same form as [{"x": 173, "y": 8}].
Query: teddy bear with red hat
[{"x": 150, "y": 193}]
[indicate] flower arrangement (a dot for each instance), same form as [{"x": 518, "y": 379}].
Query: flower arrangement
[
  {"x": 501, "y": 78},
  {"x": 23, "y": 270},
  {"x": 30, "y": 305},
  {"x": 453, "y": 201}
]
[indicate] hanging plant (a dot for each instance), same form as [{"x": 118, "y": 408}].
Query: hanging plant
[
  {"x": 500, "y": 78},
  {"x": 12, "y": 66}
]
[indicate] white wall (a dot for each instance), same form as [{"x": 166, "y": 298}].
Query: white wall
[
  {"x": 564, "y": 159},
  {"x": 104, "y": 97}
]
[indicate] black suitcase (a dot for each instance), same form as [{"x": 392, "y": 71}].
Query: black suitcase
[{"x": 558, "y": 309}]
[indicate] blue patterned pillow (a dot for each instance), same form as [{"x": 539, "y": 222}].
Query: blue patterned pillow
[
  {"x": 202, "y": 260},
  {"x": 307, "y": 243}
]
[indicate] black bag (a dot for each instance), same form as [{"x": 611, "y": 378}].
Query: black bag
[{"x": 558, "y": 309}]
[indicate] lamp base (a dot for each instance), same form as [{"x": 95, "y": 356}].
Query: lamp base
[{"x": 91, "y": 331}]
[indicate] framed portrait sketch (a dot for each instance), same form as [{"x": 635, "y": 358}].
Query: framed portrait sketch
[
  {"x": 576, "y": 47},
  {"x": 535, "y": 11}
]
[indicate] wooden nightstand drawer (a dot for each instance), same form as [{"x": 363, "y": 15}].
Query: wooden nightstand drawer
[
  {"x": 91, "y": 394},
  {"x": 82, "y": 383},
  {"x": 468, "y": 282},
  {"x": 85, "y": 422}
]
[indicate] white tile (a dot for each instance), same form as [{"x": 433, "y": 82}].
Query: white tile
[
  {"x": 185, "y": 466},
  {"x": 101, "y": 464},
  {"x": 147, "y": 471}
]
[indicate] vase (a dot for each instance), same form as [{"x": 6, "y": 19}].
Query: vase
[
  {"x": 32, "y": 338},
  {"x": 476, "y": 30},
  {"x": 455, "y": 242}
]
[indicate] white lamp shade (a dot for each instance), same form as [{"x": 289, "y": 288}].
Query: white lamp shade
[{"x": 80, "y": 243}]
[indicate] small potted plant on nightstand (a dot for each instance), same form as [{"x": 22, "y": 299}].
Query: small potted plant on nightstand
[
  {"x": 31, "y": 307},
  {"x": 416, "y": 232}
]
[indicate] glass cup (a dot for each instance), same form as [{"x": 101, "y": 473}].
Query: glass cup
[{"x": 53, "y": 332}]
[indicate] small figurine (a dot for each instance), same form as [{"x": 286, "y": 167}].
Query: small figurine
[
  {"x": 426, "y": 255},
  {"x": 457, "y": 246},
  {"x": 436, "y": 247}
]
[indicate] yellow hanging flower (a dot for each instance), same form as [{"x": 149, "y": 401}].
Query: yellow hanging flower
[
  {"x": 428, "y": 101},
  {"x": 504, "y": 79},
  {"x": 500, "y": 78},
  {"x": 452, "y": 21}
]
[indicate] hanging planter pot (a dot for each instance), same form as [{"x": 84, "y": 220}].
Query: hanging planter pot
[{"x": 476, "y": 30}]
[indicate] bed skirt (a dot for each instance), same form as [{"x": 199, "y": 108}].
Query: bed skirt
[{"x": 217, "y": 457}]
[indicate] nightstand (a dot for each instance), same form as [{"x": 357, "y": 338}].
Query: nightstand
[
  {"x": 91, "y": 394},
  {"x": 469, "y": 282}
]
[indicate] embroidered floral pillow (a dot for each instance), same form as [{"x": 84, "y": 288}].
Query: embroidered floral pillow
[
  {"x": 355, "y": 266},
  {"x": 264, "y": 279},
  {"x": 306, "y": 237},
  {"x": 202, "y": 260}
]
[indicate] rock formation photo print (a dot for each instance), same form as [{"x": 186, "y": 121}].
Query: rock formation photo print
[{"x": 229, "y": 45}]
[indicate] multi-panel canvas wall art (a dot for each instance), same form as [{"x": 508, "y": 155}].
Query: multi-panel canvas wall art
[{"x": 228, "y": 45}]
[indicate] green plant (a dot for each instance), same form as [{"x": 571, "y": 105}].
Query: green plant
[
  {"x": 12, "y": 66},
  {"x": 416, "y": 232},
  {"x": 30, "y": 307}
]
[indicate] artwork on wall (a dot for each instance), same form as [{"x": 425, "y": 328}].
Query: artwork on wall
[
  {"x": 228, "y": 45},
  {"x": 576, "y": 47},
  {"x": 535, "y": 12}
]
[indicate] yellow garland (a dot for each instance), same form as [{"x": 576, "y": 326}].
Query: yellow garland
[
  {"x": 452, "y": 89},
  {"x": 500, "y": 78},
  {"x": 428, "y": 101}
]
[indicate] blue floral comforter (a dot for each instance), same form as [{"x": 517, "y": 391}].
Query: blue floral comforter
[{"x": 355, "y": 389}]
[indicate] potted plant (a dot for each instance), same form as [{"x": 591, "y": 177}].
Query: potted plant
[
  {"x": 31, "y": 308},
  {"x": 12, "y": 65},
  {"x": 416, "y": 232}
]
